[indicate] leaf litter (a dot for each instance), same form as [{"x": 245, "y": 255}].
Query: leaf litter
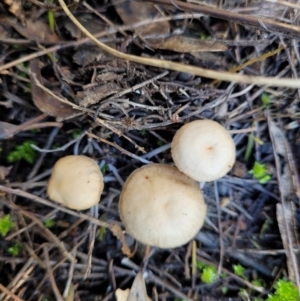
[{"x": 126, "y": 114}]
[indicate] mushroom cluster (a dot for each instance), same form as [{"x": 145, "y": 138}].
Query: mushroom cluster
[{"x": 160, "y": 205}]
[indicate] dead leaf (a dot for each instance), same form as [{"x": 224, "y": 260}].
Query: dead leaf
[
  {"x": 117, "y": 232},
  {"x": 132, "y": 12},
  {"x": 188, "y": 45},
  {"x": 91, "y": 23},
  {"x": 4, "y": 171},
  {"x": 88, "y": 53},
  {"x": 6, "y": 129},
  {"x": 71, "y": 293},
  {"x": 45, "y": 102},
  {"x": 15, "y": 7},
  {"x": 138, "y": 290},
  {"x": 136, "y": 293},
  {"x": 37, "y": 30},
  {"x": 94, "y": 95},
  {"x": 122, "y": 295},
  {"x": 285, "y": 218},
  {"x": 285, "y": 211}
]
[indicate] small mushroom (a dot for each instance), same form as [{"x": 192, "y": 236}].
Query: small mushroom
[
  {"x": 160, "y": 206},
  {"x": 76, "y": 182},
  {"x": 203, "y": 150}
]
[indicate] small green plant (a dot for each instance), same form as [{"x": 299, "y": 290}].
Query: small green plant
[
  {"x": 265, "y": 99},
  {"x": 14, "y": 250},
  {"x": 104, "y": 168},
  {"x": 224, "y": 290},
  {"x": 257, "y": 282},
  {"x": 208, "y": 272},
  {"x": 160, "y": 143},
  {"x": 284, "y": 291},
  {"x": 23, "y": 151},
  {"x": 143, "y": 133},
  {"x": 6, "y": 225},
  {"x": 100, "y": 233},
  {"x": 208, "y": 275},
  {"x": 260, "y": 173},
  {"x": 49, "y": 223},
  {"x": 204, "y": 36},
  {"x": 76, "y": 133},
  {"x": 239, "y": 270}
]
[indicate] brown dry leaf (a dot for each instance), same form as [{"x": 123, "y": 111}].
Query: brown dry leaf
[
  {"x": 285, "y": 218},
  {"x": 138, "y": 290},
  {"x": 188, "y": 45},
  {"x": 45, "y": 102},
  {"x": 91, "y": 23},
  {"x": 239, "y": 169},
  {"x": 6, "y": 129},
  {"x": 132, "y": 12},
  {"x": 117, "y": 232},
  {"x": 122, "y": 295},
  {"x": 4, "y": 171},
  {"x": 285, "y": 211},
  {"x": 15, "y": 7},
  {"x": 37, "y": 30},
  {"x": 88, "y": 53},
  {"x": 3, "y": 32},
  {"x": 71, "y": 293},
  {"x": 94, "y": 95}
]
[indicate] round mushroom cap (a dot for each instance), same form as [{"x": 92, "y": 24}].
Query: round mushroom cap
[
  {"x": 160, "y": 206},
  {"x": 203, "y": 150},
  {"x": 76, "y": 182}
]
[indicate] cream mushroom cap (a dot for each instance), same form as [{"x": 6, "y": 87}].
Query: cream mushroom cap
[
  {"x": 203, "y": 150},
  {"x": 160, "y": 206},
  {"x": 76, "y": 182}
]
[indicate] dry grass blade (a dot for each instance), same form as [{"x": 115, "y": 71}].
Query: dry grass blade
[
  {"x": 115, "y": 228},
  {"x": 220, "y": 75},
  {"x": 8, "y": 293},
  {"x": 285, "y": 214}
]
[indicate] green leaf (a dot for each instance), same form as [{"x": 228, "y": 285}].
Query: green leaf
[
  {"x": 100, "y": 233},
  {"x": 208, "y": 274},
  {"x": 257, "y": 282},
  {"x": 201, "y": 265},
  {"x": 104, "y": 168},
  {"x": 260, "y": 173},
  {"x": 224, "y": 290},
  {"x": 6, "y": 225},
  {"x": 239, "y": 270},
  {"x": 49, "y": 223},
  {"x": 266, "y": 100},
  {"x": 14, "y": 250},
  {"x": 143, "y": 133},
  {"x": 76, "y": 133}
]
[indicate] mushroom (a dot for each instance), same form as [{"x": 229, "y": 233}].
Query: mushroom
[
  {"x": 160, "y": 206},
  {"x": 203, "y": 150},
  {"x": 76, "y": 182}
]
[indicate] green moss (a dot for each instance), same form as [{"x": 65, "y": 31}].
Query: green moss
[
  {"x": 23, "y": 151},
  {"x": 6, "y": 225},
  {"x": 285, "y": 291}
]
